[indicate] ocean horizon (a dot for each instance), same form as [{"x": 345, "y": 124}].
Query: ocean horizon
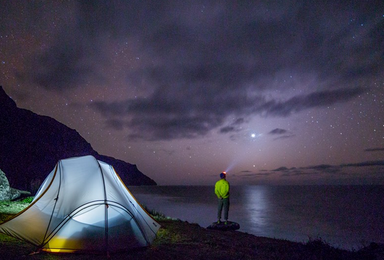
[{"x": 344, "y": 216}]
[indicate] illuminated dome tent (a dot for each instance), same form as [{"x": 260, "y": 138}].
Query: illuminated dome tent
[{"x": 83, "y": 206}]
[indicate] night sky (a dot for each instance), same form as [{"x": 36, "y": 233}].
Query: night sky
[{"x": 274, "y": 92}]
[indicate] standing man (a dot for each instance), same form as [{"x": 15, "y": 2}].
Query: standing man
[{"x": 222, "y": 193}]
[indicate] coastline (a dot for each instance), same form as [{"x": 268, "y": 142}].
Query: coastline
[
  {"x": 346, "y": 217},
  {"x": 177, "y": 239}
]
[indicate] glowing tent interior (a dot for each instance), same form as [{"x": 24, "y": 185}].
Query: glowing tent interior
[{"x": 83, "y": 205}]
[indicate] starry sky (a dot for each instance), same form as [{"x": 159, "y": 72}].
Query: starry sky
[{"x": 273, "y": 92}]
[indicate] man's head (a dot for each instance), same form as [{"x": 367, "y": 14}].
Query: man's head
[{"x": 223, "y": 175}]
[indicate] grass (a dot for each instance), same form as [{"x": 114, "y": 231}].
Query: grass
[{"x": 14, "y": 207}]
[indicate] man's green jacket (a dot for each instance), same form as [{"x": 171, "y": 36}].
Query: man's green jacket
[{"x": 222, "y": 189}]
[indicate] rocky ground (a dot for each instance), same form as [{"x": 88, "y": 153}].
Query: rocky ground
[{"x": 182, "y": 240}]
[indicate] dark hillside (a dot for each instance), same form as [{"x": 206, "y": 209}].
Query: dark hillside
[{"x": 31, "y": 145}]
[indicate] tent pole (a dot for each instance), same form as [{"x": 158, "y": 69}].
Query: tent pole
[{"x": 106, "y": 210}]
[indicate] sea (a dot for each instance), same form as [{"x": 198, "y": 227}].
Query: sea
[{"x": 346, "y": 217}]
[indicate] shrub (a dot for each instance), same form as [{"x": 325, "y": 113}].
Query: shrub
[{"x": 27, "y": 200}]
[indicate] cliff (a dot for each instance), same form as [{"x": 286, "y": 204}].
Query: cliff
[{"x": 31, "y": 145}]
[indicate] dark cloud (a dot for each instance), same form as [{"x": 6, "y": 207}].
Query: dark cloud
[
  {"x": 64, "y": 66},
  {"x": 234, "y": 127},
  {"x": 285, "y": 137},
  {"x": 70, "y": 60},
  {"x": 189, "y": 114},
  {"x": 364, "y": 164},
  {"x": 312, "y": 100},
  {"x": 281, "y": 169},
  {"x": 246, "y": 173},
  {"x": 374, "y": 150},
  {"x": 115, "y": 124},
  {"x": 78, "y": 39},
  {"x": 204, "y": 63},
  {"x": 231, "y": 44},
  {"x": 239, "y": 46},
  {"x": 171, "y": 115},
  {"x": 227, "y": 129},
  {"x": 281, "y": 133},
  {"x": 278, "y": 131},
  {"x": 325, "y": 169}
]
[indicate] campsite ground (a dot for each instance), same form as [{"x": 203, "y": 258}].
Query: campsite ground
[{"x": 182, "y": 240}]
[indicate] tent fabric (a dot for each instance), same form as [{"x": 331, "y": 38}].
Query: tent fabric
[{"x": 83, "y": 205}]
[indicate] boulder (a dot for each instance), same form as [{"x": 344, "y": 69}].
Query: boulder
[
  {"x": 5, "y": 189},
  {"x": 6, "y": 192},
  {"x": 224, "y": 226}
]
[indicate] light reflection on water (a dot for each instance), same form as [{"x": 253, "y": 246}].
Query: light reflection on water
[
  {"x": 344, "y": 216},
  {"x": 256, "y": 207}
]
